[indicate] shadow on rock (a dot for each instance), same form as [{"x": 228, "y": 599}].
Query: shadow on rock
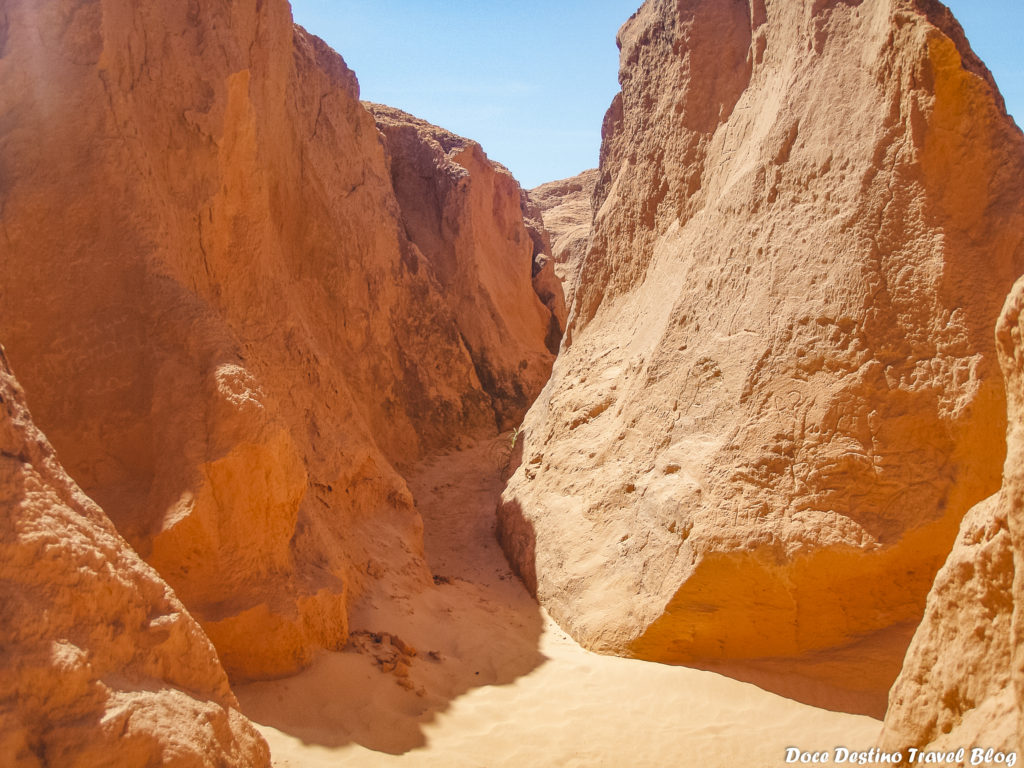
[{"x": 410, "y": 654}]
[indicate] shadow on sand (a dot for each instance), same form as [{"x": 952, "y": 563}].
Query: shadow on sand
[
  {"x": 411, "y": 655},
  {"x": 854, "y": 679}
]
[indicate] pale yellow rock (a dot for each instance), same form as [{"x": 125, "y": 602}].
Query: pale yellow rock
[
  {"x": 1010, "y": 338},
  {"x": 778, "y": 392}
]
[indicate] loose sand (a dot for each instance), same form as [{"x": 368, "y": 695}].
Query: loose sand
[{"x": 494, "y": 682}]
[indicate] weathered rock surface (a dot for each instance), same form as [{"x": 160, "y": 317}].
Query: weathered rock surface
[
  {"x": 102, "y": 665},
  {"x": 549, "y": 290},
  {"x": 462, "y": 213},
  {"x": 957, "y": 686},
  {"x": 568, "y": 214},
  {"x": 218, "y": 317},
  {"x": 1010, "y": 339},
  {"x": 546, "y": 282},
  {"x": 778, "y": 393}
]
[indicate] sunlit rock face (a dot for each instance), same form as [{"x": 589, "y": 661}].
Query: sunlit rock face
[
  {"x": 102, "y": 665},
  {"x": 960, "y": 679},
  {"x": 778, "y": 393},
  {"x": 567, "y": 213},
  {"x": 219, "y": 318},
  {"x": 1010, "y": 338},
  {"x": 956, "y": 687}
]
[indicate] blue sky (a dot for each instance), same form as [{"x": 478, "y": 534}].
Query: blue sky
[{"x": 531, "y": 80}]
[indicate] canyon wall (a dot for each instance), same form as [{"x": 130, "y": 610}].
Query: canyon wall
[
  {"x": 960, "y": 682},
  {"x": 956, "y": 688},
  {"x": 463, "y": 214},
  {"x": 547, "y": 280},
  {"x": 567, "y": 212},
  {"x": 778, "y": 393},
  {"x": 102, "y": 665},
  {"x": 220, "y": 319},
  {"x": 1010, "y": 339}
]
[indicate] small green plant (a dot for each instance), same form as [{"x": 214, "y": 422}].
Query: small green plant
[{"x": 503, "y": 449}]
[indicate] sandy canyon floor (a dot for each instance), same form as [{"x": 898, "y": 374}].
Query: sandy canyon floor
[{"x": 474, "y": 673}]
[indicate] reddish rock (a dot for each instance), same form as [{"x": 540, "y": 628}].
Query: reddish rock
[
  {"x": 533, "y": 218},
  {"x": 549, "y": 290},
  {"x": 567, "y": 215},
  {"x": 219, "y": 318},
  {"x": 546, "y": 282},
  {"x": 463, "y": 215},
  {"x": 102, "y": 665},
  {"x": 778, "y": 392}
]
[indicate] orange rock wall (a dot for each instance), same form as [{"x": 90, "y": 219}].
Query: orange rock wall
[
  {"x": 102, "y": 665},
  {"x": 959, "y": 683},
  {"x": 546, "y": 281},
  {"x": 462, "y": 215},
  {"x": 216, "y": 312},
  {"x": 567, "y": 215},
  {"x": 955, "y": 687},
  {"x": 778, "y": 393}
]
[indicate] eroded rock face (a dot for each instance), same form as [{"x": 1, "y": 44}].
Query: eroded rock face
[
  {"x": 778, "y": 393},
  {"x": 217, "y": 314},
  {"x": 955, "y": 687},
  {"x": 568, "y": 214},
  {"x": 102, "y": 665},
  {"x": 463, "y": 214},
  {"x": 1010, "y": 338},
  {"x": 958, "y": 682},
  {"x": 546, "y": 281}
]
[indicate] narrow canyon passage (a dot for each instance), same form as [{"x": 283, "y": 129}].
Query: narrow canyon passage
[
  {"x": 257, "y": 333},
  {"x": 472, "y": 672}
]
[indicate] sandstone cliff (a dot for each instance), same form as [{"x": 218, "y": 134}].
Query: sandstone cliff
[
  {"x": 955, "y": 687},
  {"x": 462, "y": 213},
  {"x": 567, "y": 211},
  {"x": 778, "y": 392},
  {"x": 1010, "y": 339},
  {"x": 547, "y": 283},
  {"x": 958, "y": 682},
  {"x": 218, "y": 316},
  {"x": 102, "y": 665}
]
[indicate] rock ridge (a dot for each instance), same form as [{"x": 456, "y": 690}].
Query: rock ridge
[{"x": 778, "y": 392}]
